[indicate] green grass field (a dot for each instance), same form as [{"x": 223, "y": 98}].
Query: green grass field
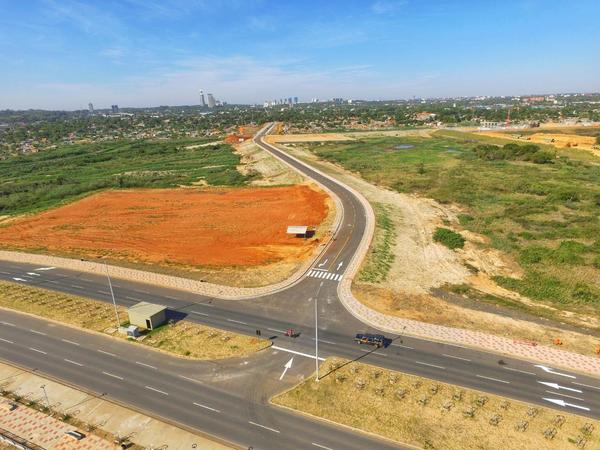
[
  {"x": 46, "y": 179},
  {"x": 544, "y": 215}
]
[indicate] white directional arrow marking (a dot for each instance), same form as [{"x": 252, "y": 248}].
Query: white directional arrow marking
[
  {"x": 563, "y": 403},
  {"x": 558, "y": 386},
  {"x": 340, "y": 265},
  {"x": 287, "y": 366},
  {"x": 549, "y": 370},
  {"x": 324, "y": 262},
  {"x": 19, "y": 279}
]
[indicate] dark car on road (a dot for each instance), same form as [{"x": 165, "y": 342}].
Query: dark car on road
[{"x": 377, "y": 340}]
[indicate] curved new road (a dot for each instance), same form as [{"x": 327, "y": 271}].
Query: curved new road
[{"x": 229, "y": 399}]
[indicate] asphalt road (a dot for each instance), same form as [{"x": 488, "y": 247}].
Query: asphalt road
[{"x": 272, "y": 314}]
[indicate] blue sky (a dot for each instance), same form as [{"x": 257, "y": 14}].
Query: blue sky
[{"x": 62, "y": 54}]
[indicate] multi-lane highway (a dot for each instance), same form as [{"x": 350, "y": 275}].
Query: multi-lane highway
[{"x": 229, "y": 399}]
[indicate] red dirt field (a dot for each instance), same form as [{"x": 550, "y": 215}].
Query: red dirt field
[{"x": 211, "y": 227}]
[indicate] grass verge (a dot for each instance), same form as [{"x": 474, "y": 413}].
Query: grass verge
[
  {"x": 428, "y": 414},
  {"x": 182, "y": 338},
  {"x": 381, "y": 253}
]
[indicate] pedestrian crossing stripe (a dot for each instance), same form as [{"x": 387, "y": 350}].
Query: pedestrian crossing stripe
[{"x": 325, "y": 275}]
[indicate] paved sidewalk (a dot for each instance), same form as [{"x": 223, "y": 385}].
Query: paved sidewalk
[{"x": 48, "y": 433}]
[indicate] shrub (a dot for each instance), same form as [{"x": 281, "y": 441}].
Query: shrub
[
  {"x": 534, "y": 255},
  {"x": 449, "y": 238}
]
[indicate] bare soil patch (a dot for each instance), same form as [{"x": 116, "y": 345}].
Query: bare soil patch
[
  {"x": 428, "y": 414},
  {"x": 212, "y": 227},
  {"x": 558, "y": 140}
]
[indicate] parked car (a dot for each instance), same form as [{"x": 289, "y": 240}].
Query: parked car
[{"x": 377, "y": 340}]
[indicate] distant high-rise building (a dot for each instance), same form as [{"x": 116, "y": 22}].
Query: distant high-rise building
[
  {"x": 91, "y": 108},
  {"x": 115, "y": 109},
  {"x": 295, "y": 100},
  {"x": 202, "y": 101},
  {"x": 211, "y": 101}
]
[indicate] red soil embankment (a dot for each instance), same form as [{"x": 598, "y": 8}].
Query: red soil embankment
[{"x": 216, "y": 227}]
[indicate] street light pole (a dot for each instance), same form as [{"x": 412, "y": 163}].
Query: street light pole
[
  {"x": 112, "y": 295},
  {"x": 317, "y": 330},
  {"x": 43, "y": 388}
]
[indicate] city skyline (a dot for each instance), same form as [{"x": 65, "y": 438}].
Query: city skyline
[{"x": 63, "y": 55}]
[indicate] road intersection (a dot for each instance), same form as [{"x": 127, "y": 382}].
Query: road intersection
[{"x": 228, "y": 399}]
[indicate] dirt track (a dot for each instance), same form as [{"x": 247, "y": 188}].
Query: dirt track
[{"x": 216, "y": 227}]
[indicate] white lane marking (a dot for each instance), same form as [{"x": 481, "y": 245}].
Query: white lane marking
[
  {"x": 550, "y": 370},
  {"x": 7, "y": 341},
  {"x": 156, "y": 390},
  {"x": 146, "y": 365},
  {"x": 103, "y": 292},
  {"x": 311, "y": 273},
  {"x": 275, "y": 330},
  {"x": 206, "y": 304},
  {"x": 294, "y": 352},
  {"x": 70, "y": 342},
  {"x": 199, "y": 313},
  {"x": 52, "y": 281},
  {"x": 76, "y": 286},
  {"x": 319, "y": 270},
  {"x": 134, "y": 298},
  {"x": 330, "y": 276},
  {"x": 403, "y": 346},
  {"x": 324, "y": 262},
  {"x": 519, "y": 370},
  {"x": 263, "y": 426},
  {"x": 8, "y": 323},
  {"x": 340, "y": 266},
  {"x": 456, "y": 357},
  {"x": 39, "y": 351},
  {"x": 323, "y": 340},
  {"x": 112, "y": 375},
  {"x": 565, "y": 395},
  {"x": 493, "y": 379},
  {"x": 33, "y": 274},
  {"x": 38, "y": 332},
  {"x": 19, "y": 279},
  {"x": 558, "y": 386},
  {"x": 73, "y": 362},
  {"x": 45, "y": 268},
  {"x": 206, "y": 407},
  {"x": 459, "y": 346},
  {"x": 189, "y": 379},
  {"x": 562, "y": 403},
  {"x": 107, "y": 353},
  {"x": 5, "y": 273},
  {"x": 321, "y": 446},
  {"x": 430, "y": 365},
  {"x": 237, "y": 321},
  {"x": 172, "y": 298},
  {"x": 586, "y": 385}
]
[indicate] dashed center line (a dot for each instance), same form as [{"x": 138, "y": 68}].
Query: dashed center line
[
  {"x": 263, "y": 426},
  {"x": 103, "y": 292},
  {"x": 275, "y": 330},
  {"x": 565, "y": 395},
  {"x": 237, "y": 321},
  {"x": 73, "y": 362},
  {"x": 321, "y": 446},
  {"x": 38, "y": 332},
  {"x": 493, "y": 379},
  {"x": 70, "y": 342},
  {"x": 587, "y": 385},
  {"x": 189, "y": 379},
  {"x": 8, "y": 323},
  {"x": 7, "y": 341},
  {"x": 199, "y": 313},
  {"x": 403, "y": 346},
  {"x": 206, "y": 407},
  {"x": 519, "y": 370},
  {"x": 146, "y": 365},
  {"x": 112, "y": 375},
  {"x": 107, "y": 353},
  {"x": 156, "y": 390},
  {"x": 134, "y": 298},
  {"x": 38, "y": 350},
  {"x": 76, "y": 286},
  {"x": 456, "y": 357},
  {"x": 430, "y": 365}
]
